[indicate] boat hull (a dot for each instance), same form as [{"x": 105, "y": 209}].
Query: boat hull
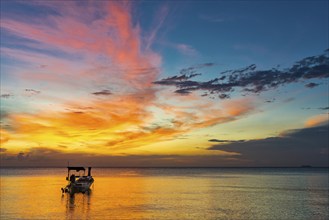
[{"x": 82, "y": 185}]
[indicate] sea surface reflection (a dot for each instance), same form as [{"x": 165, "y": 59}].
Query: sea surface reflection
[
  {"x": 168, "y": 194},
  {"x": 77, "y": 205}
]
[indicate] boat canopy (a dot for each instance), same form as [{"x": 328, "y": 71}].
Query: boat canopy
[{"x": 76, "y": 168}]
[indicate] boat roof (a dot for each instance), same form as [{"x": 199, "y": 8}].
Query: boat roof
[{"x": 76, "y": 168}]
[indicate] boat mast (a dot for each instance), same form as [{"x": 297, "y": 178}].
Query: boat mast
[{"x": 68, "y": 170}]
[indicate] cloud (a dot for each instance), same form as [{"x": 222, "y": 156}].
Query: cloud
[
  {"x": 271, "y": 100},
  {"x": 3, "y": 115},
  {"x": 46, "y": 157},
  {"x": 158, "y": 21},
  {"x": 291, "y": 148},
  {"x": 226, "y": 141},
  {"x": 6, "y": 96},
  {"x": 103, "y": 92},
  {"x": 98, "y": 47},
  {"x": 183, "y": 119},
  {"x": 112, "y": 125},
  {"x": 250, "y": 80},
  {"x": 317, "y": 120},
  {"x": 312, "y": 85},
  {"x": 62, "y": 146},
  {"x": 22, "y": 156},
  {"x": 287, "y": 100},
  {"x": 320, "y": 108},
  {"x": 236, "y": 107},
  {"x": 107, "y": 33},
  {"x": 31, "y": 92},
  {"x": 183, "y": 81},
  {"x": 4, "y": 136},
  {"x": 78, "y": 47},
  {"x": 185, "y": 75},
  {"x": 186, "y": 49}
]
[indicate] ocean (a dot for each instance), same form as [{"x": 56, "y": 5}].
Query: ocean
[{"x": 168, "y": 193}]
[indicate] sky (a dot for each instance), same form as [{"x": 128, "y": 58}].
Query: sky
[{"x": 164, "y": 83}]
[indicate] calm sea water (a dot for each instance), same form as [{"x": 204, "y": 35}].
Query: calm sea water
[{"x": 221, "y": 193}]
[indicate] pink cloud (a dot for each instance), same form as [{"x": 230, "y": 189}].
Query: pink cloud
[
  {"x": 109, "y": 48},
  {"x": 113, "y": 36}
]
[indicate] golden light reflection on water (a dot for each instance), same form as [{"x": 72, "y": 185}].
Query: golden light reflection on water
[
  {"x": 167, "y": 194},
  {"x": 77, "y": 205}
]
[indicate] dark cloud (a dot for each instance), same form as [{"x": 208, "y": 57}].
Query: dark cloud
[
  {"x": 62, "y": 146},
  {"x": 6, "y": 96},
  {"x": 288, "y": 100},
  {"x": 3, "y": 114},
  {"x": 103, "y": 92},
  {"x": 223, "y": 96},
  {"x": 226, "y": 141},
  {"x": 193, "y": 69},
  {"x": 250, "y": 80},
  {"x": 182, "y": 81},
  {"x": 183, "y": 91},
  {"x": 45, "y": 157},
  {"x": 32, "y": 91},
  {"x": 291, "y": 148},
  {"x": 271, "y": 100},
  {"x": 311, "y": 85},
  {"x": 320, "y": 108},
  {"x": 22, "y": 156},
  {"x": 3, "y": 149}
]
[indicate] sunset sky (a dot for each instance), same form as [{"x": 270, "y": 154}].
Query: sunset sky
[{"x": 156, "y": 83}]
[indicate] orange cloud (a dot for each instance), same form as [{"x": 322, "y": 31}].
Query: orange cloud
[
  {"x": 4, "y": 136},
  {"x": 113, "y": 59},
  {"x": 317, "y": 120},
  {"x": 117, "y": 123},
  {"x": 200, "y": 113},
  {"x": 238, "y": 106}
]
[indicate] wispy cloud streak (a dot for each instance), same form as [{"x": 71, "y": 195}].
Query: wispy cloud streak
[{"x": 71, "y": 54}]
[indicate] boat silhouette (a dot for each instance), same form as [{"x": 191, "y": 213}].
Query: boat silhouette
[{"x": 78, "y": 181}]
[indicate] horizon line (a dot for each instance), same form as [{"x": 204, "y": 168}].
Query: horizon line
[{"x": 162, "y": 167}]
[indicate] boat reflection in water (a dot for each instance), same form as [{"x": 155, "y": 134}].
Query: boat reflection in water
[
  {"x": 77, "y": 180},
  {"x": 77, "y": 205}
]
